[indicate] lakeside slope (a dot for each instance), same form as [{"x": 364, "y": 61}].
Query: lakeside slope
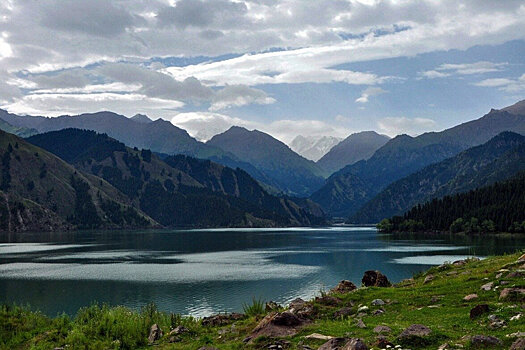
[{"x": 466, "y": 304}]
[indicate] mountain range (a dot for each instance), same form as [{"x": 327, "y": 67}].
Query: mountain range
[
  {"x": 273, "y": 158},
  {"x": 176, "y": 191},
  {"x": 354, "y": 148},
  {"x": 498, "y": 159},
  {"x": 347, "y": 190},
  {"x": 313, "y": 147}
]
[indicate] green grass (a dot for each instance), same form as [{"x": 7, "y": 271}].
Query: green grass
[{"x": 439, "y": 305}]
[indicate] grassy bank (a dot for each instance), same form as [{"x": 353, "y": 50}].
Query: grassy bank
[{"x": 434, "y": 299}]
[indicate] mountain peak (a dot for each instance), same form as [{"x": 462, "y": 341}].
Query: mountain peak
[
  {"x": 517, "y": 108},
  {"x": 141, "y": 118}
]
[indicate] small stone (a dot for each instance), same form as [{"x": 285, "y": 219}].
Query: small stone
[
  {"x": 428, "y": 279},
  {"x": 487, "y": 286},
  {"x": 497, "y": 324},
  {"x": 517, "y": 293},
  {"x": 378, "y": 312},
  {"x": 503, "y": 283},
  {"x": 445, "y": 346},
  {"x": 516, "y": 317},
  {"x": 382, "y": 329},
  {"x": 360, "y": 324},
  {"x": 179, "y": 330},
  {"x": 470, "y": 297},
  {"x": 480, "y": 341},
  {"x": 175, "y": 339},
  {"x": 519, "y": 344},
  {"x": 382, "y": 342},
  {"x": 361, "y": 315},
  {"x": 345, "y": 311},
  {"x": 516, "y": 335},
  {"x": 363, "y": 308},
  {"x": 521, "y": 258},
  {"x": 478, "y": 310},
  {"x": 334, "y": 344},
  {"x": 318, "y": 336},
  {"x": 378, "y": 302}
]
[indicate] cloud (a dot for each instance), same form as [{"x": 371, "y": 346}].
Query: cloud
[
  {"x": 204, "y": 125},
  {"x": 65, "y": 79},
  {"x": 239, "y": 95},
  {"x": 369, "y": 92},
  {"x": 448, "y": 69},
  {"x": 56, "y": 104},
  {"x": 393, "y": 126},
  {"x": 504, "y": 84}
]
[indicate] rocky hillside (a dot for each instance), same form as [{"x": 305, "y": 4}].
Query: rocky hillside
[
  {"x": 497, "y": 160},
  {"x": 313, "y": 147},
  {"x": 40, "y": 192}
]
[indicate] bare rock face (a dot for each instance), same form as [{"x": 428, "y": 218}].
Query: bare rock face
[
  {"x": 155, "y": 333},
  {"x": 373, "y": 278},
  {"x": 483, "y": 341},
  {"x": 275, "y": 325},
  {"x": 344, "y": 287}
]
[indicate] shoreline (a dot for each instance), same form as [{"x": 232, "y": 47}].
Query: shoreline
[{"x": 435, "y": 299}]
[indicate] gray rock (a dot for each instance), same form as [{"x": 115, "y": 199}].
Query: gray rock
[
  {"x": 355, "y": 344},
  {"x": 428, "y": 279},
  {"x": 382, "y": 329},
  {"x": 519, "y": 344},
  {"x": 414, "y": 334},
  {"x": 375, "y": 279},
  {"x": 378, "y": 302},
  {"x": 487, "y": 286},
  {"x": 155, "y": 333},
  {"x": 360, "y": 324},
  {"x": 484, "y": 341},
  {"x": 344, "y": 287}
]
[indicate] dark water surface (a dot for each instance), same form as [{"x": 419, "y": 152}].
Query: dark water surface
[{"x": 200, "y": 272}]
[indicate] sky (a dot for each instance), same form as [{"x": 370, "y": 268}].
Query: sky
[{"x": 285, "y": 67}]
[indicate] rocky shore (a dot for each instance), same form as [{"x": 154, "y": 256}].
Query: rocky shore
[{"x": 466, "y": 304}]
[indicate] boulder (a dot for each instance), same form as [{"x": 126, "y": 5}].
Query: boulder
[
  {"x": 275, "y": 325},
  {"x": 519, "y": 344},
  {"x": 470, "y": 297},
  {"x": 179, "y": 330},
  {"x": 373, "y": 278},
  {"x": 516, "y": 293},
  {"x": 155, "y": 333},
  {"x": 334, "y": 344},
  {"x": 478, "y": 310},
  {"x": 355, "y": 344},
  {"x": 301, "y": 308},
  {"x": 415, "y": 334},
  {"x": 484, "y": 341},
  {"x": 382, "y": 329},
  {"x": 378, "y": 302},
  {"x": 344, "y": 287},
  {"x": 222, "y": 319},
  {"x": 318, "y": 336}
]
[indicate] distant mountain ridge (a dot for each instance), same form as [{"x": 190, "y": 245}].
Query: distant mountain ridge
[
  {"x": 404, "y": 155},
  {"x": 354, "y": 148},
  {"x": 40, "y": 192},
  {"x": 313, "y": 147},
  {"x": 292, "y": 173},
  {"x": 176, "y": 191},
  {"x": 161, "y": 136},
  {"x": 496, "y": 160}
]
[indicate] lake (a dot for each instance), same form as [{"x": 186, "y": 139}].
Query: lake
[{"x": 200, "y": 272}]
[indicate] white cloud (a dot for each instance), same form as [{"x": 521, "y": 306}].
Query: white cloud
[
  {"x": 393, "y": 126},
  {"x": 505, "y": 84},
  {"x": 448, "y": 69},
  {"x": 203, "y": 125},
  {"x": 369, "y": 92},
  {"x": 239, "y": 95}
]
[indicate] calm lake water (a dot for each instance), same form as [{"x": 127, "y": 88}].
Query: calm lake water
[{"x": 200, "y": 272}]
